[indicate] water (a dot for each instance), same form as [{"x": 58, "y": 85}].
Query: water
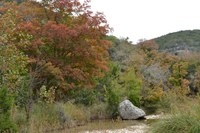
[
  {"x": 140, "y": 128},
  {"x": 117, "y": 126},
  {"x": 109, "y": 126}
]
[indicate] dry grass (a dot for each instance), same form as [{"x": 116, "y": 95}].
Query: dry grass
[{"x": 58, "y": 116}]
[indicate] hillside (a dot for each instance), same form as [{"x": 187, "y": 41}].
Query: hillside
[{"x": 180, "y": 41}]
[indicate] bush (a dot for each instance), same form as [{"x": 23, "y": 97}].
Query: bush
[
  {"x": 124, "y": 86},
  {"x": 132, "y": 87},
  {"x": 135, "y": 93},
  {"x": 113, "y": 102},
  {"x": 85, "y": 96},
  {"x": 6, "y": 101},
  {"x": 98, "y": 111}
]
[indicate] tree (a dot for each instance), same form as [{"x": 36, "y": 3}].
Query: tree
[
  {"x": 65, "y": 39},
  {"x": 12, "y": 61},
  {"x": 178, "y": 77},
  {"x": 12, "y": 71},
  {"x": 148, "y": 45},
  {"x": 155, "y": 71}
]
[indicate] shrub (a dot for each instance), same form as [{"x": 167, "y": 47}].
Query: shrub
[
  {"x": 6, "y": 101},
  {"x": 126, "y": 86},
  {"x": 135, "y": 93},
  {"x": 47, "y": 95},
  {"x": 113, "y": 102},
  {"x": 132, "y": 87},
  {"x": 98, "y": 111},
  {"x": 85, "y": 96}
]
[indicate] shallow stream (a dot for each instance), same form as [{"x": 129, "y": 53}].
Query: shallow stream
[{"x": 117, "y": 126}]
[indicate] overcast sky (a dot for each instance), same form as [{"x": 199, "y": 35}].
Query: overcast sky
[{"x": 148, "y": 19}]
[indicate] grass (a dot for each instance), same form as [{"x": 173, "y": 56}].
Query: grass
[
  {"x": 76, "y": 113},
  {"x": 44, "y": 118},
  {"x": 58, "y": 116},
  {"x": 184, "y": 115},
  {"x": 49, "y": 117}
]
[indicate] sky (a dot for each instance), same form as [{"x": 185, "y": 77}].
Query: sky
[{"x": 147, "y": 19}]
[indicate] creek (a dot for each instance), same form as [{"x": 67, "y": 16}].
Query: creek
[{"x": 117, "y": 126}]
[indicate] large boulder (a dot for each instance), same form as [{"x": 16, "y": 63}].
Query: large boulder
[{"x": 128, "y": 111}]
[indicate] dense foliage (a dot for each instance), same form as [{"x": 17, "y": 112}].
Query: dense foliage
[
  {"x": 59, "y": 68},
  {"x": 62, "y": 38}
]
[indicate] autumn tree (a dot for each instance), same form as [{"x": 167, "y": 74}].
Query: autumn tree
[
  {"x": 12, "y": 71},
  {"x": 178, "y": 77},
  {"x": 148, "y": 45},
  {"x": 155, "y": 71},
  {"x": 13, "y": 62},
  {"x": 65, "y": 39}
]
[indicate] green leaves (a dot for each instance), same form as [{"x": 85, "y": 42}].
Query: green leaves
[
  {"x": 132, "y": 86},
  {"x": 6, "y": 102},
  {"x": 12, "y": 66}
]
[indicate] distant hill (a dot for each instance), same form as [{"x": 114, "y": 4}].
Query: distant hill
[{"x": 181, "y": 41}]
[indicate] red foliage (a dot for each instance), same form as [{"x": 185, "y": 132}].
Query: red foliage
[{"x": 67, "y": 39}]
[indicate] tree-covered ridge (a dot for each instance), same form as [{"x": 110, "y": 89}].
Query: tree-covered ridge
[{"x": 180, "y": 41}]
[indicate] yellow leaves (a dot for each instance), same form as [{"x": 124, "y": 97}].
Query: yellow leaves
[
  {"x": 129, "y": 75},
  {"x": 180, "y": 69},
  {"x": 181, "y": 91},
  {"x": 178, "y": 78},
  {"x": 154, "y": 94},
  {"x": 12, "y": 62},
  {"x": 48, "y": 95},
  {"x": 23, "y": 39},
  {"x": 12, "y": 66},
  {"x": 179, "y": 72}
]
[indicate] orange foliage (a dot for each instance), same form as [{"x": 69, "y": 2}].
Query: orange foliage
[{"x": 65, "y": 38}]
